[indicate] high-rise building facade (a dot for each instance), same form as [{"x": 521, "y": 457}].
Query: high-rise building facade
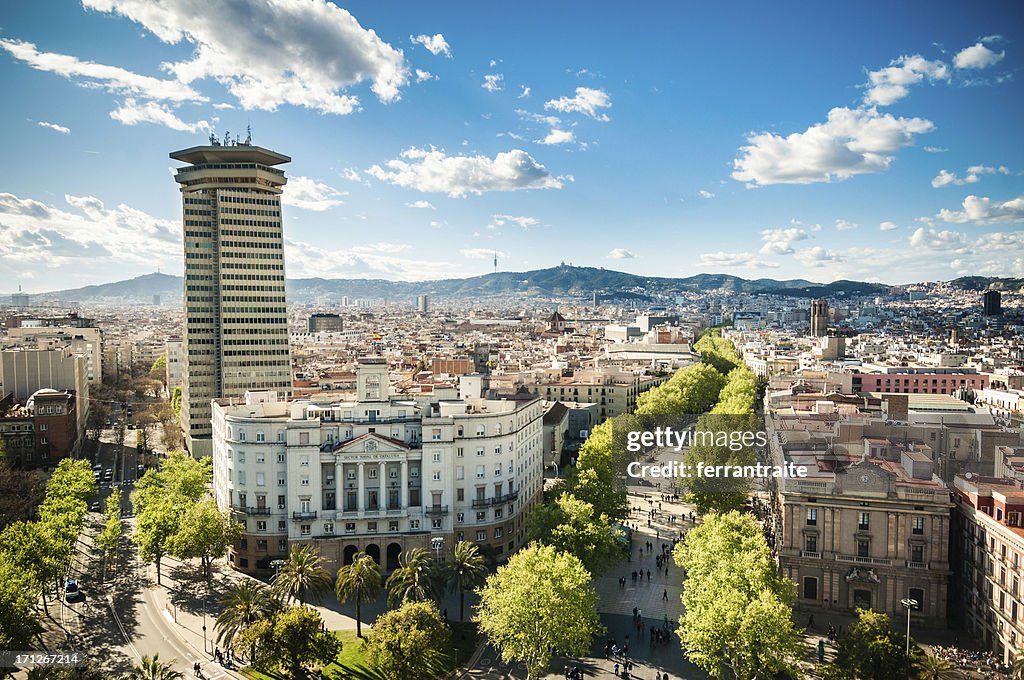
[
  {"x": 992, "y": 302},
  {"x": 819, "y": 317},
  {"x": 236, "y": 322},
  {"x": 325, "y": 323},
  {"x": 422, "y": 304}
]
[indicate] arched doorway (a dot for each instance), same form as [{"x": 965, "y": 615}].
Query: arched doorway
[
  {"x": 350, "y": 553},
  {"x": 373, "y": 550},
  {"x": 394, "y": 550}
]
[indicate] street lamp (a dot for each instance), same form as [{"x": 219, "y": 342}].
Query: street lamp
[
  {"x": 555, "y": 466},
  {"x": 437, "y": 543},
  {"x": 910, "y": 604}
]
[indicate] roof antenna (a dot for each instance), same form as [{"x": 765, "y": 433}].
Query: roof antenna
[{"x": 248, "y": 135}]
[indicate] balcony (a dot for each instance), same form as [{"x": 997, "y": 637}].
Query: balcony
[
  {"x": 436, "y": 510},
  {"x": 814, "y": 555},
  {"x": 497, "y": 500},
  {"x": 304, "y": 515},
  {"x": 917, "y": 565},
  {"x": 857, "y": 559},
  {"x": 251, "y": 511}
]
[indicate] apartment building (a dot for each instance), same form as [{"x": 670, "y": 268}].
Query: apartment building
[
  {"x": 379, "y": 473},
  {"x": 41, "y": 431},
  {"x": 24, "y": 372},
  {"x": 82, "y": 340},
  {"x": 989, "y": 551},
  {"x": 615, "y": 392},
  {"x": 869, "y": 525}
]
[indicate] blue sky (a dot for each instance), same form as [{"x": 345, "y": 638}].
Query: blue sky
[{"x": 876, "y": 141}]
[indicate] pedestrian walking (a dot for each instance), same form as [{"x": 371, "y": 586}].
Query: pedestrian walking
[{"x": 664, "y": 595}]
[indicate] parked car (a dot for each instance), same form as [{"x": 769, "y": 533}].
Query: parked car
[
  {"x": 71, "y": 591},
  {"x": 94, "y": 506}
]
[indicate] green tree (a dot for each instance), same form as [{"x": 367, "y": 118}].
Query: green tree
[
  {"x": 359, "y": 580},
  {"x": 155, "y": 525},
  {"x": 302, "y": 577},
  {"x": 292, "y": 641},
  {"x": 690, "y": 390},
  {"x": 540, "y": 603},
  {"x": 176, "y": 402},
  {"x": 872, "y": 648},
  {"x": 570, "y": 525},
  {"x": 933, "y": 668},
  {"x": 416, "y": 578},
  {"x": 110, "y": 535},
  {"x": 152, "y": 668},
  {"x": 72, "y": 478},
  {"x": 737, "y": 616},
  {"x": 205, "y": 533},
  {"x": 408, "y": 643},
  {"x": 19, "y": 591},
  {"x": 466, "y": 571},
  {"x": 37, "y": 551},
  {"x": 243, "y": 606},
  {"x": 720, "y": 494},
  {"x": 599, "y": 465}
]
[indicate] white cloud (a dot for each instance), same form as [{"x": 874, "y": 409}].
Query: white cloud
[
  {"x": 552, "y": 121},
  {"x": 481, "y": 253},
  {"x": 620, "y": 254},
  {"x": 932, "y": 239},
  {"x": 816, "y": 256},
  {"x": 743, "y": 260},
  {"x": 983, "y": 210},
  {"x": 887, "y": 226},
  {"x": 111, "y": 78},
  {"x": 273, "y": 53},
  {"x": 492, "y": 82},
  {"x": 977, "y": 56},
  {"x": 36, "y": 235},
  {"x": 420, "y": 205},
  {"x": 780, "y": 241},
  {"x": 973, "y": 176},
  {"x": 558, "y": 137},
  {"x": 587, "y": 101},
  {"x": 524, "y": 93},
  {"x": 891, "y": 83},
  {"x": 362, "y": 262},
  {"x": 436, "y": 44},
  {"x": 434, "y": 171},
  {"x": 502, "y": 220},
  {"x": 935, "y": 149},
  {"x": 850, "y": 142},
  {"x": 132, "y": 112},
  {"x": 843, "y": 225},
  {"x": 55, "y": 127},
  {"x": 704, "y": 193},
  {"x": 422, "y": 75},
  {"x": 310, "y": 194}
]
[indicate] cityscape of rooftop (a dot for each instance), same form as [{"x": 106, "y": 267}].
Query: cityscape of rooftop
[{"x": 511, "y": 342}]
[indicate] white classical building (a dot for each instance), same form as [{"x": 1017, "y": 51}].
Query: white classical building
[{"x": 381, "y": 473}]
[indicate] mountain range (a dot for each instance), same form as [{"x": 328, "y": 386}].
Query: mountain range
[{"x": 564, "y": 281}]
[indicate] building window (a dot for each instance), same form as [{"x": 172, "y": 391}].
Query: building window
[
  {"x": 373, "y": 473},
  {"x": 863, "y": 548},
  {"x": 917, "y": 553},
  {"x": 437, "y": 475},
  {"x": 811, "y": 544},
  {"x": 436, "y": 457},
  {"x": 460, "y": 517},
  {"x": 414, "y": 524},
  {"x": 498, "y": 533},
  {"x": 261, "y": 526},
  {"x": 864, "y": 523},
  {"x": 917, "y": 594},
  {"x": 304, "y": 529},
  {"x": 280, "y": 456},
  {"x": 812, "y": 517},
  {"x": 481, "y": 516},
  {"x": 260, "y": 436},
  {"x": 481, "y": 535},
  {"x": 480, "y": 451},
  {"x": 810, "y": 588},
  {"x": 919, "y": 525},
  {"x": 435, "y": 523},
  {"x": 371, "y": 527},
  {"x": 241, "y": 456},
  {"x": 350, "y": 527},
  {"x": 261, "y": 458},
  {"x": 393, "y": 525},
  {"x": 328, "y": 527}
]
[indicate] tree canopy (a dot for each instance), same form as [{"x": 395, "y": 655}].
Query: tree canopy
[{"x": 408, "y": 643}]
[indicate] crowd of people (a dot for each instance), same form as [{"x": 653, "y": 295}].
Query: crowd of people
[{"x": 984, "y": 664}]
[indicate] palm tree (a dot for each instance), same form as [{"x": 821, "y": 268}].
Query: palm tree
[
  {"x": 415, "y": 579},
  {"x": 466, "y": 571},
  {"x": 152, "y": 668},
  {"x": 360, "y": 580},
  {"x": 243, "y": 606},
  {"x": 934, "y": 668},
  {"x": 302, "y": 576},
  {"x": 1017, "y": 667}
]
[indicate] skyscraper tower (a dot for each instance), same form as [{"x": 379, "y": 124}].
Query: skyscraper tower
[
  {"x": 992, "y": 303},
  {"x": 819, "y": 317},
  {"x": 236, "y": 322}
]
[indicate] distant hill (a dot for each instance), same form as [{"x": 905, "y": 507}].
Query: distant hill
[
  {"x": 986, "y": 282},
  {"x": 561, "y": 281}
]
